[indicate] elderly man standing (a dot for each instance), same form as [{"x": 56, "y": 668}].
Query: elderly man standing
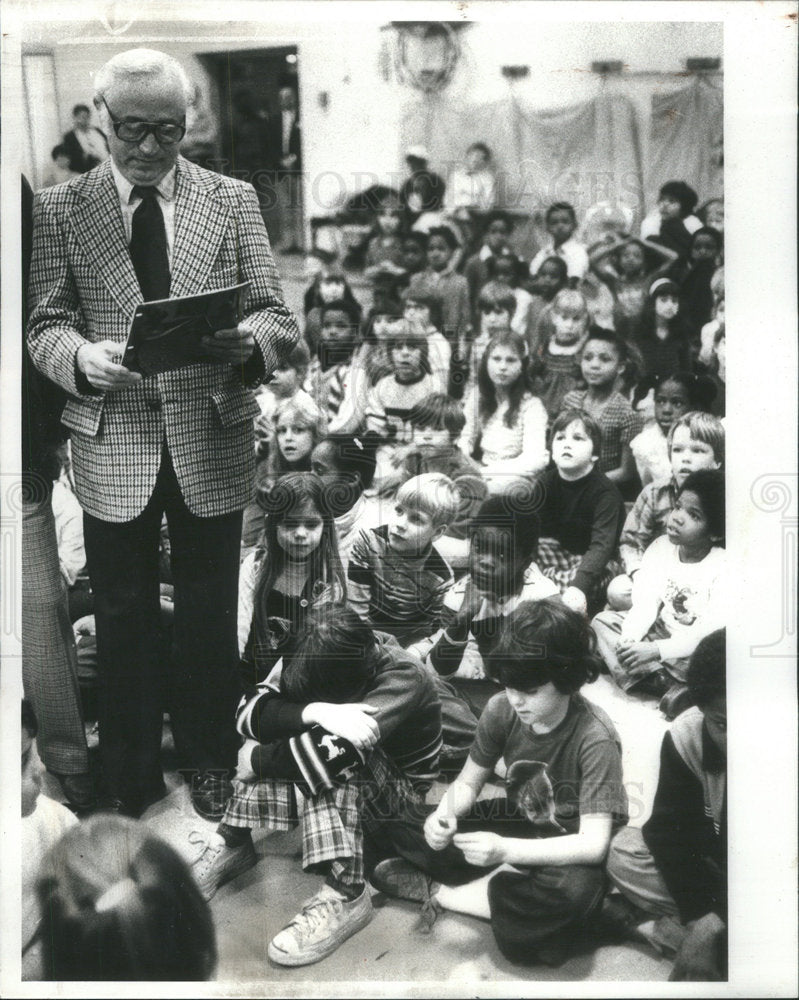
[{"x": 145, "y": 225}]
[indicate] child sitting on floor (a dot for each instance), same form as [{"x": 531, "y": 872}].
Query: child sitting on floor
[
  {"x": 335, "y": 374},
  {"x": 628, "y": 266},
  {"x": 348, "y": 731},
  {"x": 581, "y": 512},
  {"x": 673, "y": 871},
  {"x": 120, "y": 905},
  {"x": 678, "y": 597},
  {"x": 422, "y": 312},
  {"x": 449, "y": 287},
  {"x": 695, "y": 441},
  {"x": 505, "y": 423},
  {"x": 496, "y": 306},
  {"x": 502, "y": 573},
  {"x": 396, "y": 579},
  {"x": 286, "y": 383},
  {"x": 605, "y": 357},
  {"x": 436, "y": 424},
  {"x": 676, "y": 394},
  {"x": 558, "y": 364},
  {"x": 296, "y": 566},
  {"x": 561, "y": 223},
  {"x": 661, "y": 336},
  {"x": 498, "y": 226},
  {"x": 532, "y": 863},
  {"x": 346, "y": 465},
  {"x": 389, "y": 403},
  {"x": 297, "y": 426}
]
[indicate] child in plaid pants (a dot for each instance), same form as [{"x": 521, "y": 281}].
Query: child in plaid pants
[{"x": 297, "y": 766}]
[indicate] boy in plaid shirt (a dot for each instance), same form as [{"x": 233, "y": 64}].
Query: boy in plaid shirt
[{"x": 297, "y": 766}]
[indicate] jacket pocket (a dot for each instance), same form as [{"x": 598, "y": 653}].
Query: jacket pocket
[
  {"x": 235, "y": 406},
  {"x": 84, "y": 415}
]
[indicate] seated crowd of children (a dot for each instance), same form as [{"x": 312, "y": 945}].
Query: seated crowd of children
[{"x": 500, "y": 481}]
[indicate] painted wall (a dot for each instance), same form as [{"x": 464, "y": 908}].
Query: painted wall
[{"x": 351, "y": 101}]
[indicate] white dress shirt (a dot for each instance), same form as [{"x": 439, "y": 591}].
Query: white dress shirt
[{"x": 128, "y": 203}]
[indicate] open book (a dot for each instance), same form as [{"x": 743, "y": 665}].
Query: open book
[{"x": 167, "y": 333}]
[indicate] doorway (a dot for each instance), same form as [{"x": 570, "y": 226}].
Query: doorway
[{"x": 248, "y": 84}]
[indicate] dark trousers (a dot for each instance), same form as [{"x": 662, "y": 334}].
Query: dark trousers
[
  {"x": 203, "y": 685},
  {"x": 538, "y": 913}
]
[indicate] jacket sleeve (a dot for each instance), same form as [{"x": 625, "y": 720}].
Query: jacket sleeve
[
  {"x": 56, "y": 328},
  {"x": 315, "y": 759},
  {"x": 679, "y": 836},
  {"x": 274, "y": 325}
]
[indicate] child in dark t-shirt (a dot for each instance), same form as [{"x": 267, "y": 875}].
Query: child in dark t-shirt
[{"x": 543, "y": 846}]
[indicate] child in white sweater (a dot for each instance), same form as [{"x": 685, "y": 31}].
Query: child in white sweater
[{"x": 678, "y": 597}]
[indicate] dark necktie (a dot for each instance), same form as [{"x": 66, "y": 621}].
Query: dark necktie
[{"x": 148, "y": 249}]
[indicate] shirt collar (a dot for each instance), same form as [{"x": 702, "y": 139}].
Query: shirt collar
[{"x": 165, "y": 187}]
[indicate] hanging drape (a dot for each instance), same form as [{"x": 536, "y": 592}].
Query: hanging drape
[{"x": 584, "y": 153}]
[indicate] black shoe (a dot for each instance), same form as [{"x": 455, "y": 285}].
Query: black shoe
[
  {"x": 618, "y": 921},
  {"x": 209, "y": 796},
  {"x": 675, "y": 701},
  {"x": 78, "y": 790}
]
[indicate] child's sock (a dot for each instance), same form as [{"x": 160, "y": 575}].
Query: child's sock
[
  {"x": 234, "y": 836},
  {"x": 349, "y": 892},
  {"x": 472, "y": 897}
]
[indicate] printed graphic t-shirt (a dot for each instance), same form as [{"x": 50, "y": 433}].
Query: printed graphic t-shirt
[{"x": 579, "y": 764}]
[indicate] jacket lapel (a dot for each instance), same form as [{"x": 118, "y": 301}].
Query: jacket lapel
[
  {"x": 200, "y": 225},
  {"x": 97, "y": 224}
]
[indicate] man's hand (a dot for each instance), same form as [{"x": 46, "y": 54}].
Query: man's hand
[
  {"x": 352, "y": 722},
  {"x": 479, "y": 848},
  {"x": 439, "y": 830},
  {"x": 698, "y": 957},
  {"x": 635, "y": 655},
  {"x": 230, "y": 347},
  {"x": 100, "y": 364}
]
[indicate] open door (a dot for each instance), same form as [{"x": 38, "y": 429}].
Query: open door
[{"x": 252, "y": 133}]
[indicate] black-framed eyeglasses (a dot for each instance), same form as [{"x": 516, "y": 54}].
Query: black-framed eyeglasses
[{"x": 165, "y": 133}]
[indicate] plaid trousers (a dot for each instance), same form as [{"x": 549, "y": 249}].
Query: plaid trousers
[
  {"x": 559, "y": 566},
  {"x": 49, "y": 660},
  {"x": 333, "y": 822}
]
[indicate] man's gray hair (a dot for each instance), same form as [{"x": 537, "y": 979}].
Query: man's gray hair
[{"x": 138, "y": 63}]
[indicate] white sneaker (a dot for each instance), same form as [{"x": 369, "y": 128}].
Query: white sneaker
[
  {"x": 320, "y": 927},
  {"x": 219, "y": 863}
]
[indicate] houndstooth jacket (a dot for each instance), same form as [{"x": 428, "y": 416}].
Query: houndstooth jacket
[{"x": 83, "y": 287}]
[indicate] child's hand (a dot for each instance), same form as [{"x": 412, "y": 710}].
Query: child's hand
[
  {"x": 472, "y": 602},
  {"x": 484, "y": 849},
  {"x": 244, "y": 771},
  {"x": 634, "y": 655},
  {"x": 352, "y": 722},
  {"x": 439, "y": 830}
]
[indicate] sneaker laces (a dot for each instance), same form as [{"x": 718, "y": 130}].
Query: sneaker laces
[
  {"x": 313, "y": 915},
  {"x": 429, "y": 911},
  {"x": 208, "y": 855}
]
